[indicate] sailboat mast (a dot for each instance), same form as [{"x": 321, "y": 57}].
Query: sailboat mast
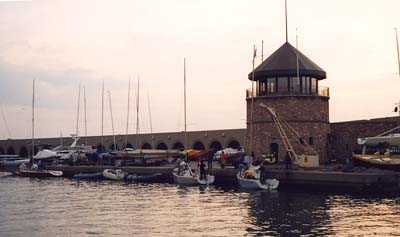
[
  {"x": 77, "y": 114},
  {"x": 102, "y": 117},
  {"x": 184, "y": 104},
  {"x": 137, "y": 113},
  {"x": 252, "y": 101},
  {"x": 127, "y": 116},
  {"x": 33, "y": 121},
  {"x": 398, "y": 53},
  {"x": 84, "y": 103},
  {"x": 5, "y": 121},
  {"x": 112, "y": 120},
  {"x": 398, "y": 62},
  {"x": 151, "y": 123}
]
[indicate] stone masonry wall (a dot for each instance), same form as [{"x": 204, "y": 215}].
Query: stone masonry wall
[{"x": 308, "y": 115}]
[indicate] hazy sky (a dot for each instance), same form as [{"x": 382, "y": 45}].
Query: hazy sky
[{"x": 64, "y": 43}]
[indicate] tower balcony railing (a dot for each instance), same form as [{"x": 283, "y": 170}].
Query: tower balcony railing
[{"x": 322, "y": 91}]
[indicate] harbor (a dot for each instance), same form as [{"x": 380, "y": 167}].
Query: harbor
[{"x": 199, "y": 118}]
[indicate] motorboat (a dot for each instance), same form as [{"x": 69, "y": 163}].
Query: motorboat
[
  {"x": 254, "y": 182},
  {"x": 184, "y": 175},
  {"x": 39, "y": 173},
  {"x": 114, "y": 174},
  {"x": 382, "y": 152},
  {"x": 92, "y": 176},
  {"x": 143, "y": 178},
  {"x": 11, "y": 163}
]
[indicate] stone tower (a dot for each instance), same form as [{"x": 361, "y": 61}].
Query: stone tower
[{"x": 288, "y": 81}]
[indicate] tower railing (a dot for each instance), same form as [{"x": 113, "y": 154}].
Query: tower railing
[{"x": 322, "y": 91}]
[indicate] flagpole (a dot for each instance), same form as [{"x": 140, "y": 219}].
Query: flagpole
[
  {"x": 252, "y": 102},
  {"x": 286, "y": 21}
]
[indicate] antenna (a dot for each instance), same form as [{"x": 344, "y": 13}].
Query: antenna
[{"x": 286, "y": 21}]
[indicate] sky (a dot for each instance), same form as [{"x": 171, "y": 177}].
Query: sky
[{"x": 64, "y": 44}]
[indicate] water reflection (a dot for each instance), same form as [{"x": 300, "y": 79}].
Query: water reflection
[{"x": 50, "y": 207}]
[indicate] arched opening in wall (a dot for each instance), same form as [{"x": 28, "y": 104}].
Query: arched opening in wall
[
  {"x": 178, "y": 146},
  {"x": 1, "y": 151},
  {"x": 146, "y": 146},
  {"x": 128, "y": 145},
  {"x": 100, "y": 148},
  {"x": 215, "y": 146},
  {"x": 10, "y": 151},
  {"x": 23, "y": 152},
  {"x": 274, "y": 149},
  {"x": 198, "y": 146},
  {"x": 162, "y": 146},
  {"x": 234, "y": 144},
  {"x": 310, "y": 141},
  {"x": 114, "y": 147}
]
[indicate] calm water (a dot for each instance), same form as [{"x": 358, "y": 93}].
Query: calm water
[{"x": 64, "y": 207}]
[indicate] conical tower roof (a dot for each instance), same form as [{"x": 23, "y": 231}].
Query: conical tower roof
[{"x": 283, "y": 63}]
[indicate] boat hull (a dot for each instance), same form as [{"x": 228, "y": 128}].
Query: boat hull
[
  {"x": 209, "y": 180},
  {"x": 114, "y": 174},
  {"x": 144, "y": 178},
  {"x": 185, "y": 179},
  {"x": 94, "y": 176},
  {"x": 269, "y": 184},
  {"x": 38, "y": 174},
  {"x": 376, "y": 162}
]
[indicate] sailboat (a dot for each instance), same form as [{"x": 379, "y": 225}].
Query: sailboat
[
  {"x": 35, "y": 169},
  {"x": 183, "y": 173}
]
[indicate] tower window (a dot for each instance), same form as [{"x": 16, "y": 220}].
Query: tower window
[
  {"x": 295, "y": 84},
  {"x": 306, "y": 87},
  {"x": 283, "y": 84},
  {"x": 314, "y": 88},
  {"x": 271, "y": 85},
  {"x": 310, "y": 141}
]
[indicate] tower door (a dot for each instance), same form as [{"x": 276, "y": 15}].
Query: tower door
[{"x": 274, "y": 149}]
